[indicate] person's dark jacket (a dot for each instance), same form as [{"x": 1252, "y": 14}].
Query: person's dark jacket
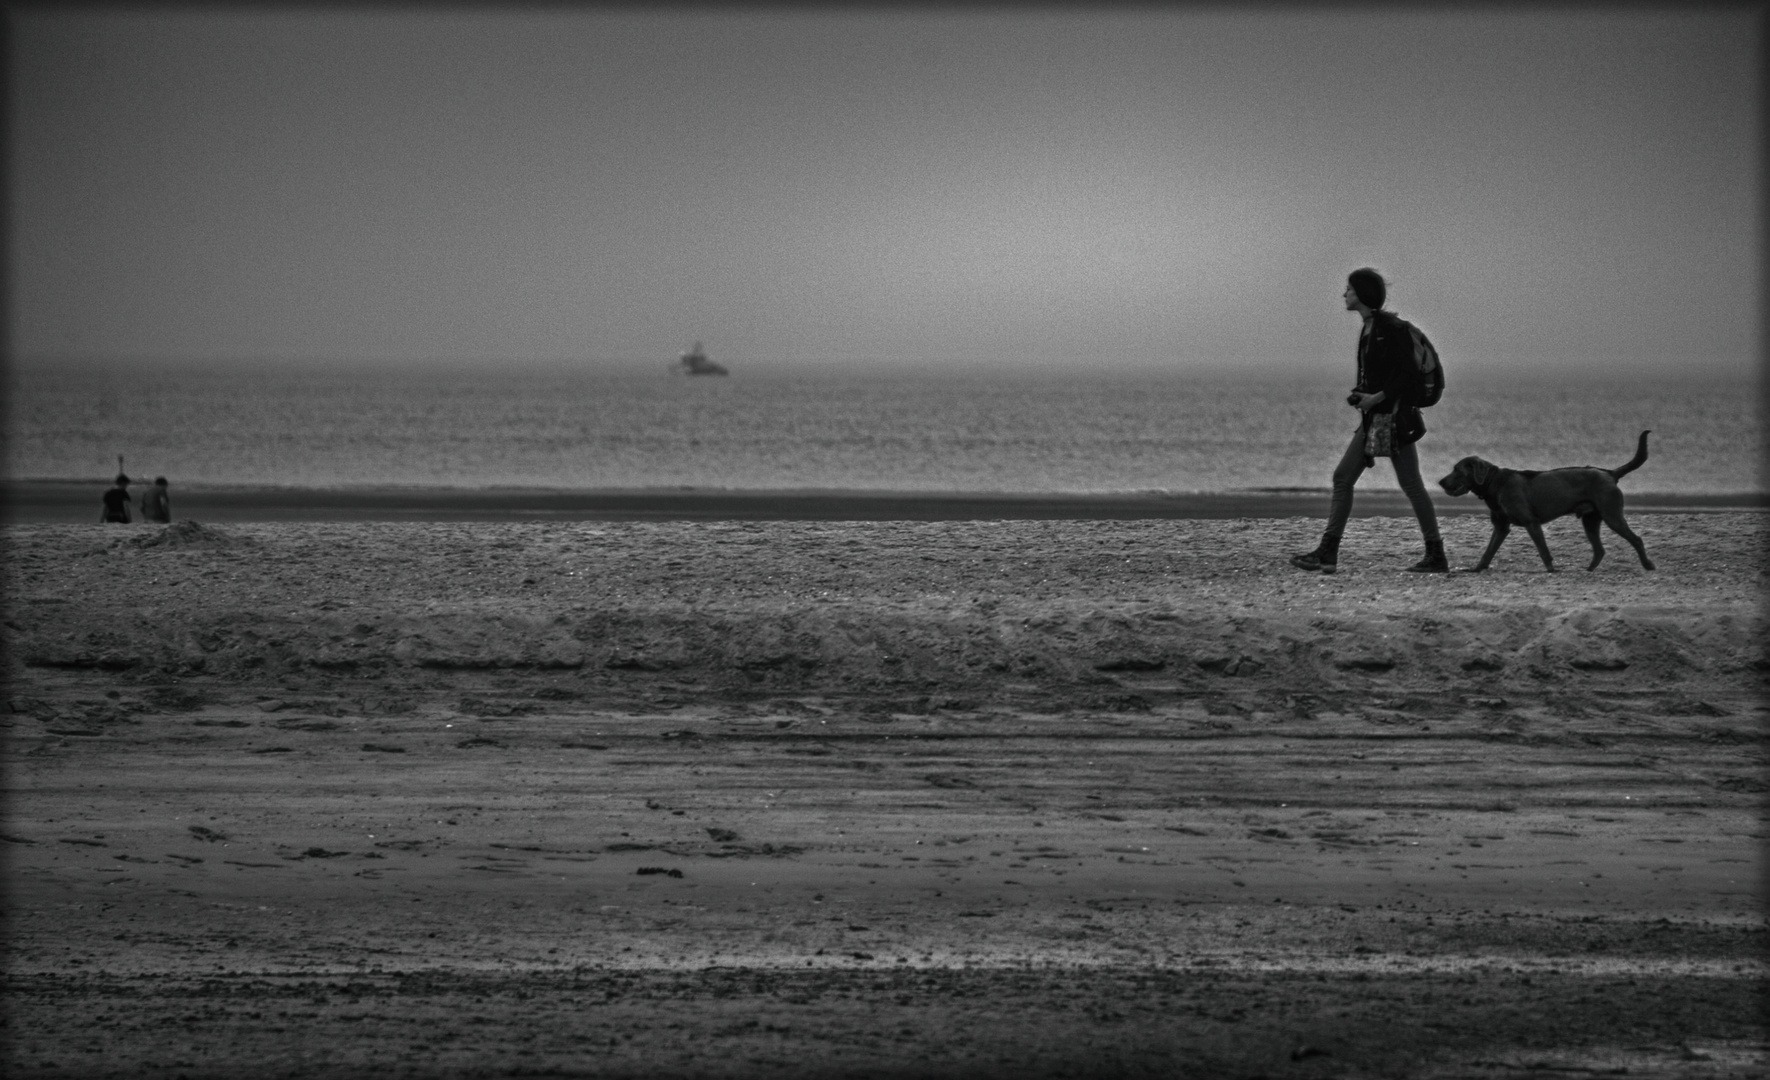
[{"x": 1386, "y": 365}]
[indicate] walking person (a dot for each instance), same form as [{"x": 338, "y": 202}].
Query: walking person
[{"x": 1389, "y": 426}]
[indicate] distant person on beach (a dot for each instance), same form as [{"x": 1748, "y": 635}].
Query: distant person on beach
[
  {"x": 156, "y": 502},
  {"x": 1389, "y": 425},
  {"x": 116, "y": 502}
]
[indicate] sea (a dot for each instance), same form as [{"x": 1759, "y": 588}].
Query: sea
[{"x": 883, "y": 428}]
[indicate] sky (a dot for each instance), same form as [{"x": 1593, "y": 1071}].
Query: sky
[{"x": 1040, "y": 186}]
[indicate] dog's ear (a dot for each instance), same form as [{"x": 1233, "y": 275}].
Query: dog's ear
[{"x": 1481, "y": 471}]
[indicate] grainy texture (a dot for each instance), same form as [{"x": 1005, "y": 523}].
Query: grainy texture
[{"x": 882, "y": 799}]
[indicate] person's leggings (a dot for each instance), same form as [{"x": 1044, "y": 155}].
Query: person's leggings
[{"x": 1407, "y": 471}]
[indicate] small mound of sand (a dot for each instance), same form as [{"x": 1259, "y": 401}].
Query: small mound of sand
[{"x": 190, "y": 534}]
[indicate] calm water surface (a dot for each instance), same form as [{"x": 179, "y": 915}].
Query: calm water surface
[{"x": 555, "y": 426}]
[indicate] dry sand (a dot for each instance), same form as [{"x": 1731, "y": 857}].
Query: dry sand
[{"x": 881, "y": 799}]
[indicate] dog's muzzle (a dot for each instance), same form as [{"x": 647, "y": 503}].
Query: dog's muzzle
[{"x": 1470, "y": 474}]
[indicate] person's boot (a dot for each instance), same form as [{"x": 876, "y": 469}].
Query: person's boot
[
  {"x": 1434, "y": 562},
  {"x": 1325, "y": 557}
]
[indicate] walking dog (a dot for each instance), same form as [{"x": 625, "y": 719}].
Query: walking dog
[{"x": 1530, "y": 498}]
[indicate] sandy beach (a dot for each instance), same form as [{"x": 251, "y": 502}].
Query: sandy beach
[{"x": 1041, "y": 797}]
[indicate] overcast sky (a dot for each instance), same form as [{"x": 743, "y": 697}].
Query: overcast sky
[{"x": 1034, "y": 186}]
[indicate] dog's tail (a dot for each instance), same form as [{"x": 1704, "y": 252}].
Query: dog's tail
[{"x": 1634, "y": 462}]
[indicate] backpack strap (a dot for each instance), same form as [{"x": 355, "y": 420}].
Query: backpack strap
[
  {"x": 1425, "y": 356},
  {"x": 1428, "y": 372}
]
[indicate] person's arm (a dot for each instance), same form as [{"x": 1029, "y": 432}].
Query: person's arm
[
  {"x": 1402, "y": 368},
  {"x": 1389, "y": 362},
  {"x": 1371, "y": 372}
]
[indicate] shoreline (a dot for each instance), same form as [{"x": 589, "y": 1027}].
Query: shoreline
[{"x": 73, "y": 502}]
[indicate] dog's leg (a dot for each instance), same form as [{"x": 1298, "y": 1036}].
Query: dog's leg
[
  {"x": 1500, "y": 528},
  {"x": 1613, "y": 518},
  {"x": 1590, "y": 520},
  {"x": 1541, "y": 542}
]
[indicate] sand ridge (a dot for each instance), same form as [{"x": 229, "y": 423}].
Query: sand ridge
[{"x": 868, "y": 605}]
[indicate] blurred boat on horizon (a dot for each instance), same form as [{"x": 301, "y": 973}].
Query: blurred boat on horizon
[{"x": 695, "y": 362}]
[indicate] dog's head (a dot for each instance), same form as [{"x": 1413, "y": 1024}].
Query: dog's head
[{"x": 1469, "y": 474}]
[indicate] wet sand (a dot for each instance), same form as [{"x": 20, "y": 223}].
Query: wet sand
[
  {"x": 73, "y": 502},
  {"x": 898, "y": 798}
]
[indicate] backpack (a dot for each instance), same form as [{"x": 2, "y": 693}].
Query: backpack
[{"x": 1428, "y": 372}]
